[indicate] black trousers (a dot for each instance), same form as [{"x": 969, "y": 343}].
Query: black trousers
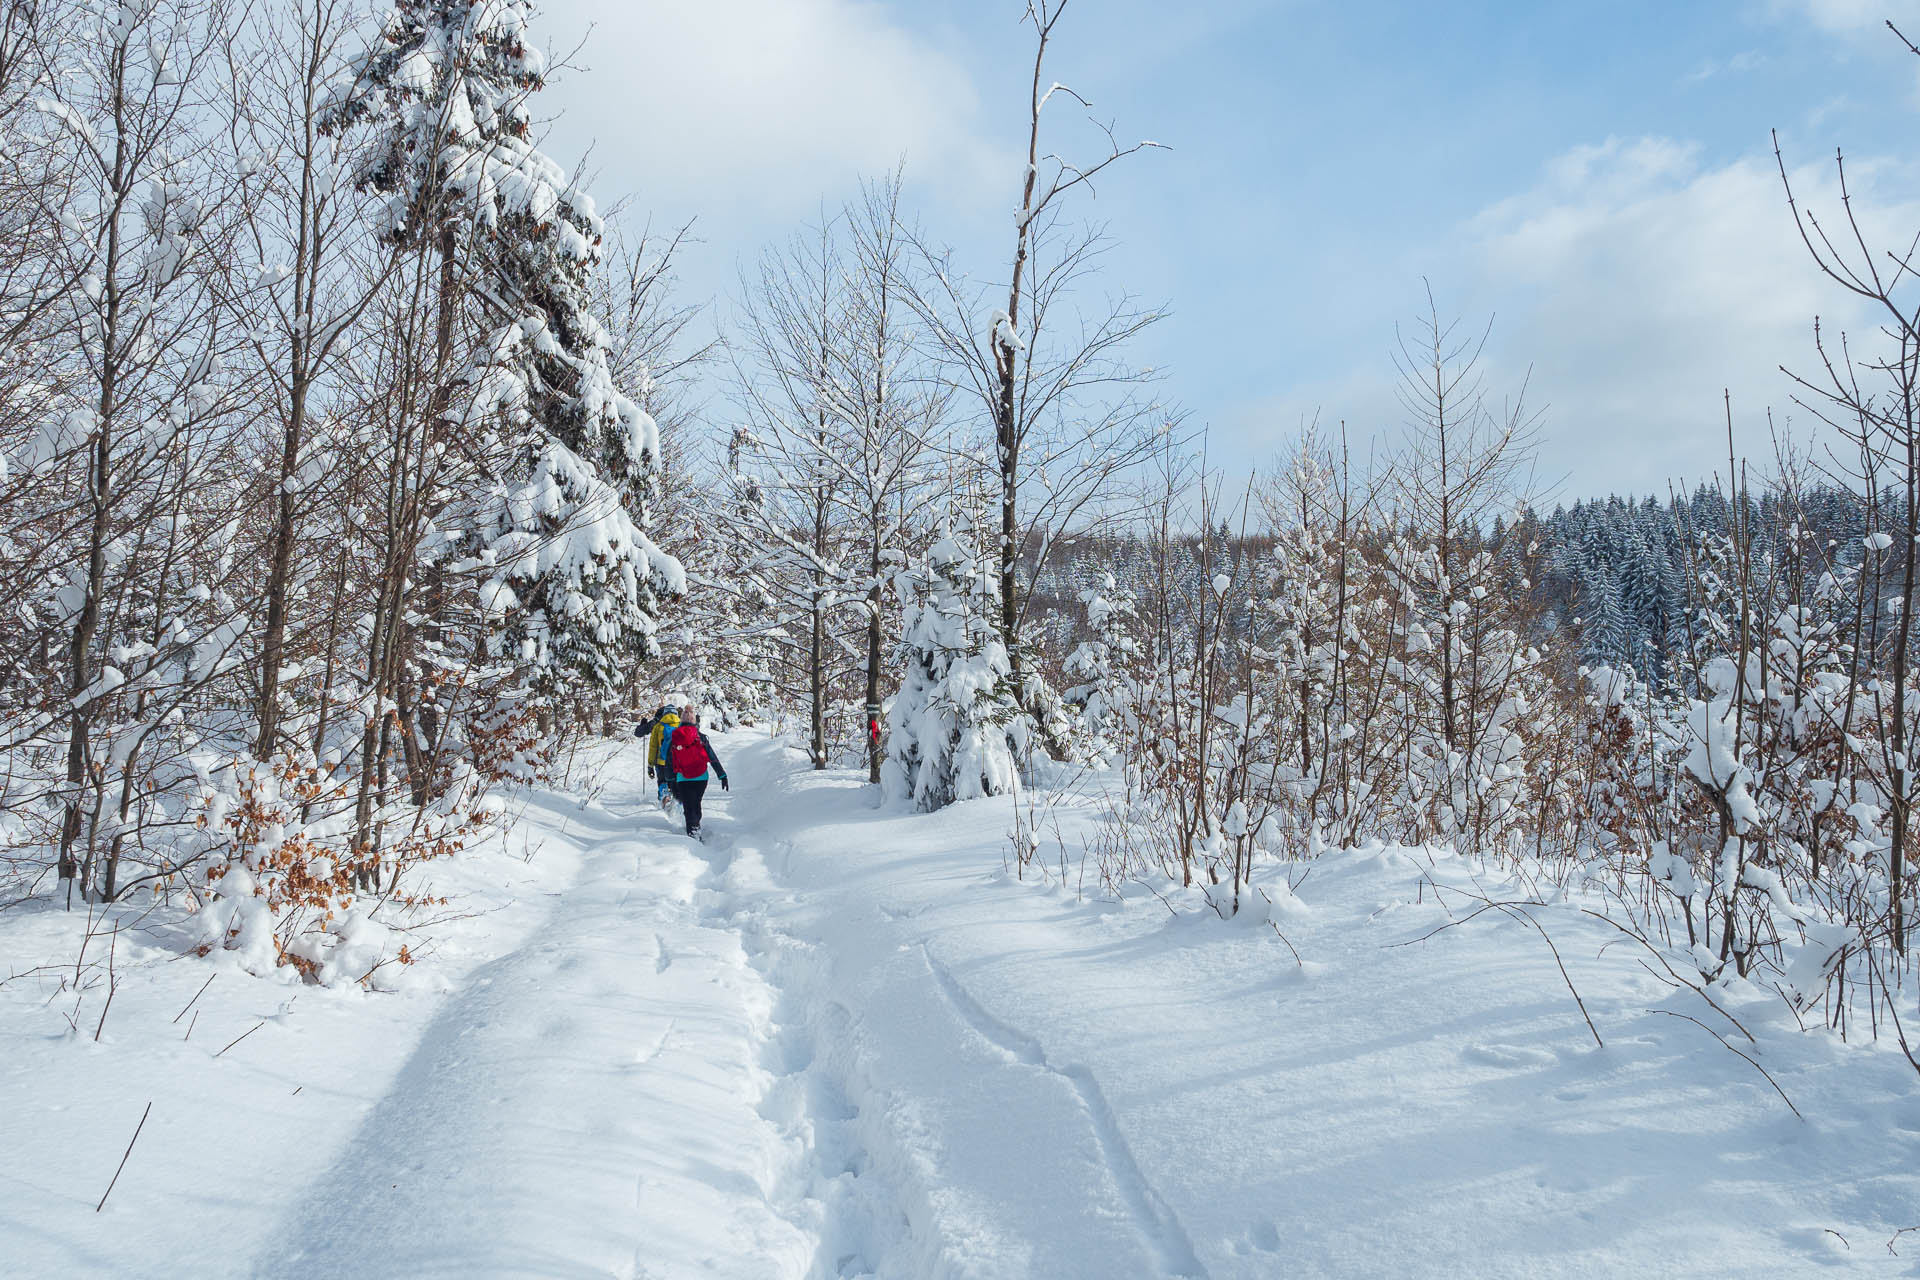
[{"x": 689, "y": 794}]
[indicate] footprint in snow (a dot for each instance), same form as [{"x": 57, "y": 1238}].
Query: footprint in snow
[
  {"x": 647, "y": 1053},
  {"x": 1511, "y": 1056},
  {"x": 1262, "y": 1237}
]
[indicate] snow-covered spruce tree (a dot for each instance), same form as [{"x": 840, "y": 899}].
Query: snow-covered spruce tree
[
  {"x": 573, "y": 584},
  {"x": 651, "y": 348},
  {"x": 1105, "y": 665},
  {"x": 1605, "y": 631},
  {"x": 954, "y": 731},
  {"x": 1646, "y": 584},
  {"x": 571, "y": 580}
]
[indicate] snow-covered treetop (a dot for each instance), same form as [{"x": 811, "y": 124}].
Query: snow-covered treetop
[{"x": 451, "y": 78}]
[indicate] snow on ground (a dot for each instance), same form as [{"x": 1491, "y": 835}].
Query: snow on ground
[
  {"x": 582, "y": 1101},
  {"x": 840, "y": 1041},
  {"x": 1075, "y": 1088}
]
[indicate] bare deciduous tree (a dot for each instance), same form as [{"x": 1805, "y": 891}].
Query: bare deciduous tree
[{"x": 1066, "y": 409}]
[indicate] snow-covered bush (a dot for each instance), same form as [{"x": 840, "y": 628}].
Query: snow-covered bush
[
  {"x": 1464, "y": 679},
  {"x": 283, "y": 884}
]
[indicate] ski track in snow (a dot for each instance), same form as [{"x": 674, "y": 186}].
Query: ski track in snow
[{"x": 1156, "y": 1221}]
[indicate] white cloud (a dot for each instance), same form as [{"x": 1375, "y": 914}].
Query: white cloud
[
  {"x": 1647, "y": 281},
  {"x": 1849, "y": 17},
  {"x": 1631, "y": 285},
  {"x": 1744, "y": 61},
  {"x": 765, "y": 105}
]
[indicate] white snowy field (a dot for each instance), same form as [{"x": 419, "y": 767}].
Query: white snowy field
[{"x": 839, "y": 1041}]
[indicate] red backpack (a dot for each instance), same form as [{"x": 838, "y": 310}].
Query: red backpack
[{"x": 687, "y": 753}]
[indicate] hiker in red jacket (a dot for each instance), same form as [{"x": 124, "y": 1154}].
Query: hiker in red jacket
[{"x": 690, "y": 759}]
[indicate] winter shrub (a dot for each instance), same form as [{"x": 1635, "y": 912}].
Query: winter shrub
[{"x": 285, "y": 886}]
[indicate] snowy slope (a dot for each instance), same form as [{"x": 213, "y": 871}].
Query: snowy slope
[
  {"x": 252, "y": 1084},
  {"x": 1068, "y": 1088},
  {"x": 839, "y": 1041}
]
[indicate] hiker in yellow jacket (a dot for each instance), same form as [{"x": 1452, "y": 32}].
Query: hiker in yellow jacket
[{"x": 661, "y": 730}]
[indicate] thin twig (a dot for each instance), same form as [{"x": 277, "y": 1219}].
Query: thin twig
[
  {"x": 129, "y": 1151},
  {"x": 1564, "y": 975},
  {"x": 113, "y": 985},
  {"x": 243, "y": 1035},
  {"x": 1675, "y": 974},
  {"x": 1735, "y": 1049},
  {"x": 196, "y": 997},
  {"x": 1512, "y": 910},
  {"x": 1163, "y": 897},
  {"x": 1297, "y": 962}
]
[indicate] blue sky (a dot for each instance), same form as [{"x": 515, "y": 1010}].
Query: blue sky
[{"x": 1593, "y": 176}]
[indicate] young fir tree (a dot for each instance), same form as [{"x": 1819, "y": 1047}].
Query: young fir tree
[
  {"x": 953, "y": 728},
  {"x": 1646, "y": 608},
  {"x": 1107, "y": 690}
]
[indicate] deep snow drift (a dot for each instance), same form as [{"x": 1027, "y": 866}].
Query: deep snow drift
[{"x": 838, "y": 1041}]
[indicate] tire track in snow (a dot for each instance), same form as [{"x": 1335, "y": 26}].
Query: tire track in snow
[{"x": 1152, "y": 1215}]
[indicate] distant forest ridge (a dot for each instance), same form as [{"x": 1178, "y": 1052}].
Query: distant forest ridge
[{"x": 1614, "y": 569}]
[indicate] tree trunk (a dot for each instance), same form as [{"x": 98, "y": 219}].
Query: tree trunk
[
  {"x": 279, "y": 570},
  {"x": 1902, "y": 768},
  {"x": 100, "y": 487},
  {"x": 817, "y": 686},
  {"x": 874, "y": 638}
]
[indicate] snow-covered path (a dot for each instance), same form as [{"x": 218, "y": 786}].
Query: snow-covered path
[
  {"x": 691, "y": 1069},
  {"x": 589, "y": 1105}
]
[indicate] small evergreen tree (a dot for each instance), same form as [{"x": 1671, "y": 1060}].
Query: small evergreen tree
[
  {"x": 1606, "y": 634},
  {"x": 1107, "y": 690},
  {"x": 953, "y": 730}
]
